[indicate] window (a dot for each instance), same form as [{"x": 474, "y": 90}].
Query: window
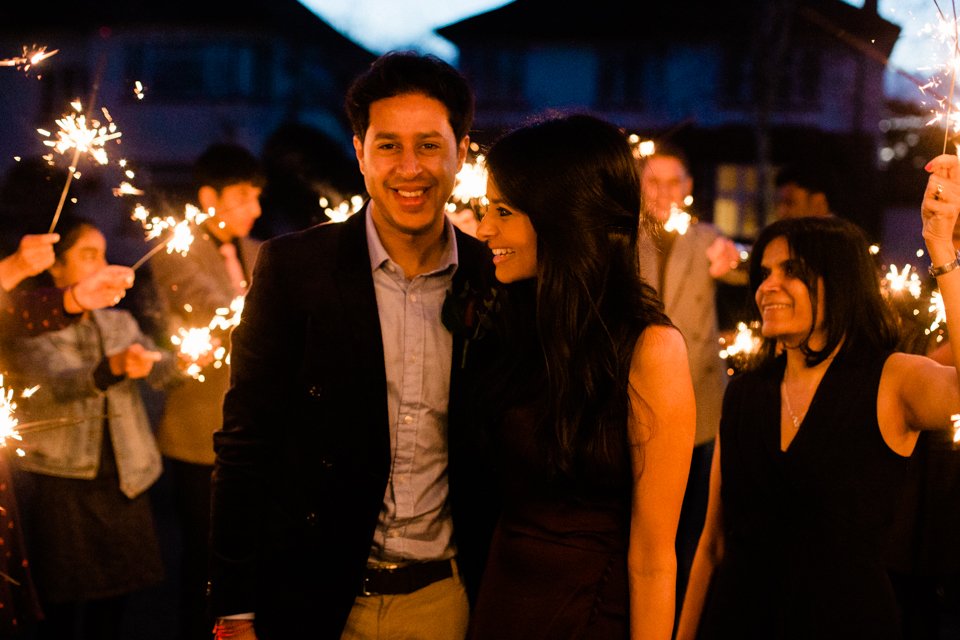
[{"x": 620, "y": 82}]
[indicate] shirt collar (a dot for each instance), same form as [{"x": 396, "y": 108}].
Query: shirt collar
[{"x": 379, "y": 256}]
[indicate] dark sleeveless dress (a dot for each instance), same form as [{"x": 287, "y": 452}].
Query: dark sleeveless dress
[
  {"x": 804, "y": 529},
  {"x": 557, "y": 567}
]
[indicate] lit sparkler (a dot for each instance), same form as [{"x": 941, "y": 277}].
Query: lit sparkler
[
  {"x": 83, "y": 136},
  {"x": 906, "y": 279},
  {"x": 471, "y": 181},
  {"x": 641, "y": 147},
  {"x": 197, "y": 345},
  {"x": 679, "y": 220},
  {"x": 76, "y": 134},
  {"x": 945, "y": 31},
  {"x": 180, "y": 236},
  {"x": 32, "y": 56},
  {"x": 8, "y": 420},
  {"x": 745, "y": 344}
]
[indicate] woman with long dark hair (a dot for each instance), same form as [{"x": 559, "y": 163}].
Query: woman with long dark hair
[
  {"x": 816, "y": 440},
  {"x": 592, "y": 404}
]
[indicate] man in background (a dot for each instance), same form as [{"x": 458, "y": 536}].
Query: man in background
[
  {"x": 684, "y": 266},
  {"x": 191, "y": 288}
]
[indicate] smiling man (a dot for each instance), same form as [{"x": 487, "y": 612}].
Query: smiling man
[{"x": 335, "y": 503}]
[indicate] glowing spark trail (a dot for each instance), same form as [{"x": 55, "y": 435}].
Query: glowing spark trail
[{"x": 32, "y": 56}]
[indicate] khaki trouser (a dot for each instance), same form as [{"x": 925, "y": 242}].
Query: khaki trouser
[{"x": 437, "y": 612}]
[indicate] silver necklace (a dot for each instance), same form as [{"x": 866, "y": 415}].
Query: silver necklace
[{"x": 786, "y": 401}]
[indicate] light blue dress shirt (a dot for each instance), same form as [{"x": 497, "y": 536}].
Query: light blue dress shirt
[{"x": 415, "y": 521}]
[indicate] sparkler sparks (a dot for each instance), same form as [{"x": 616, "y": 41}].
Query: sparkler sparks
[
  {"x": 343, "y": 210},
  {"x": 678, "y": 221},
  {"x": 197, "y": 346},
  {"x": 897, "y": 281},
  {"x": 180, "y": 230},
  {"x": 75, "y": 133},
  {"x": 745, "y": 344},
  {"x": 8, "y": 418},
  {"x": 32, "y": 56},
  {"x": 471, "y": 181},
  {"x": 945, "y": 31}
]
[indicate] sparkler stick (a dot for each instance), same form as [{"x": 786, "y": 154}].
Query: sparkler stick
[
  {"x": 151, "y": 253},
  {"x": 32, "y": 56}
]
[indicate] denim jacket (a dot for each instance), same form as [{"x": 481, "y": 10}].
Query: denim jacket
[{"x": 62, "y": 363}]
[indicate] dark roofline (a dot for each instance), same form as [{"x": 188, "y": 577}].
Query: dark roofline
[{"x": 611, "y": 20}]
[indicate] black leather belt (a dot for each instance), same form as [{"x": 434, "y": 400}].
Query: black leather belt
[{"x": 396, "y": 580}]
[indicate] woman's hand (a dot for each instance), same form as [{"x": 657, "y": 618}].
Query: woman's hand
[
  {"x": 34, "y": 255},
  {"x": 102, "y": 289},
  {"x": 941, "y": 205}
]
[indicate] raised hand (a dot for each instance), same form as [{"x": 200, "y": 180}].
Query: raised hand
[
  {"x": 104, "y": 288},
  {"x": 723, "y": 257},
  {"x": 941, "y": 204},
  {"x": 34, "y": 255}
]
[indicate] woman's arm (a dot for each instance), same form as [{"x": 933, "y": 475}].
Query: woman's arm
[
  {"x": 918, "y": 392},
  {"x": 708, "y": 556},
  {"x": 661, "y": 433}
]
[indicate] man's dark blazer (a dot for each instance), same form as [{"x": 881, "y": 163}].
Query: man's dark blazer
[{"x": 304, "y": 455}]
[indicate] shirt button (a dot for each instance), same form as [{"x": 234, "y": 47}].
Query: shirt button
[
  {"x": 407, "y": 419},
  {"x": 413, "y": 297}
]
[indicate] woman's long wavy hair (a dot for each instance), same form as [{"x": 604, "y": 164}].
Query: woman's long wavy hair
[
  {"x": 855, "y": 313},
  {"x": 577, "y": 180}
]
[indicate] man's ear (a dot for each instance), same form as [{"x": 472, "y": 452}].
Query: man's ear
[
  {"x": 358, "y": 150},
  {"x": 207, "y": 197}
]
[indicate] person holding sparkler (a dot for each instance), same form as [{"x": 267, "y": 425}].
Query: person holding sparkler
[
  {"x": 31, "y": 313},
  {"x": 191, "y": 288},
  {"x": 684, "y": 264},
  {"x": 815, "y": 441},
  {"x": 592, "y": 407},
  {"x": 90, "y": 528},
  {"x": 341, "y": 490}
]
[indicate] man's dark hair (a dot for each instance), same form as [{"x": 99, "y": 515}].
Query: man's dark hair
[
  {"x": 666, "y": 149},
  {"x": 401, "y": 72},
  {"x": 225, "y": 164},
  {"x": 807, "y": 177}
]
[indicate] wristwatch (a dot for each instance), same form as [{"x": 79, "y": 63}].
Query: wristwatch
[{"x": 936, "y": 272}]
